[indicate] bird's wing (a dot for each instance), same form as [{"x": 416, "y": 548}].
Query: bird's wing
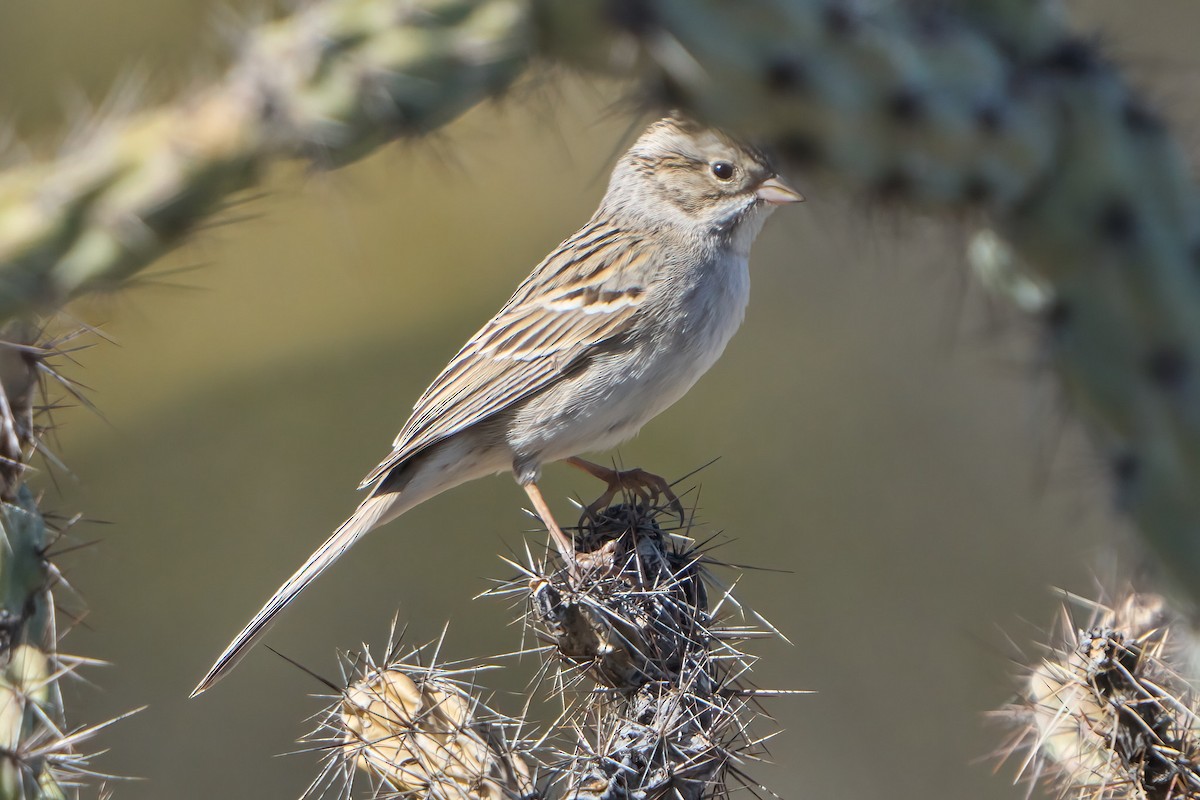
[{"x": 581, "y": 298}]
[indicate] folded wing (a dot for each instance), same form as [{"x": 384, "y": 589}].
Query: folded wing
[{"x": 582, "y": 298}]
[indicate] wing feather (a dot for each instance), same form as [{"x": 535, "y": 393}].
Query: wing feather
[{"x": 582, "y": 296}]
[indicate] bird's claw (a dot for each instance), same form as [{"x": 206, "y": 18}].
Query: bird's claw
[{"x": 646, "y": 486}]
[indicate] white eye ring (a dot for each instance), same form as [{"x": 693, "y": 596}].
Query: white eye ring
[{"x": 723, "y": 170}]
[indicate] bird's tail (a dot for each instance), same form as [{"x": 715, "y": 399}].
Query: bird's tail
[{"x": 373, "y": 512}]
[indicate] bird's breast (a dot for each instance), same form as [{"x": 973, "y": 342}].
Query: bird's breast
[
  {"x": 678, "y": 337},
  {"x": 713, "y": 309}
]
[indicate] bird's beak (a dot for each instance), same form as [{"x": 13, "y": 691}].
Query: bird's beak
[{"x": 774, "y": 191}]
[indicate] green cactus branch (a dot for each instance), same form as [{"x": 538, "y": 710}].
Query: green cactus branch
[
  {"x": 996, "y": 107},
  {"x": 38, "y": 758},
  {"x": 1005, "y": 111},
  {"x": 28, "y": 694},
  {"x": 328, "y": 84}
]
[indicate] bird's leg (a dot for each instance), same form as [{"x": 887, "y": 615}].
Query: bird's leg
[
  {"x": 564, "y": 543},
  {"x": 643, "y": 484}
]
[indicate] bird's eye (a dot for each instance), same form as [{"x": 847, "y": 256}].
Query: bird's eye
[{"x": 723, "y": 170}]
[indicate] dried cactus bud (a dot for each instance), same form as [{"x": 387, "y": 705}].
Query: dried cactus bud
[
  {"x": 31, "y": 671},
  {"x": 666, "y": 741},
  {"x": 24, "y": 692},
  {"x": 640, "y": 609},
  {"x": 637, "y": 622},
  {"x": 425, "y": 738},
  {"x": 23, "y": 683},
  {"x": 1105, "y": 715}
]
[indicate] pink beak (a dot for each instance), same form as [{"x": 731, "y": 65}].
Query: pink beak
[{"x": 774, "y": 191}]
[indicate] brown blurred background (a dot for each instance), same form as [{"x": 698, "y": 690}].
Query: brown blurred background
[{"x": 884, "y": 434}]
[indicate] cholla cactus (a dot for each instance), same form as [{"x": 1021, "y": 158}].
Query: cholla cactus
[
  {"x": 670, "y": 711},
  {"x": 651, "y": 682},
  {"x": 996, "y": 107},
  {"x": 1105, "y": 715},
  {"x": 327, "y": 84},
  {"x": 40, "y": 757}
]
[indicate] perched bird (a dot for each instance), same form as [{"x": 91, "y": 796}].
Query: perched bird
[{"x": 616, "y": 324}]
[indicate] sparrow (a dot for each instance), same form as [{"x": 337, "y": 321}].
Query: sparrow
[{"x": 611, "y": 328}]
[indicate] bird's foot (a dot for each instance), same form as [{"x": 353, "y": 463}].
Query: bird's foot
[{"x": 646, "y": 486}]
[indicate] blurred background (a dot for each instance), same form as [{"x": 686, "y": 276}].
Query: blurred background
[{"x": 885, "y": 435}]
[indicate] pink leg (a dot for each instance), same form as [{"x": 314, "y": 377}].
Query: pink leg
[{"x": 566, "y": 547}]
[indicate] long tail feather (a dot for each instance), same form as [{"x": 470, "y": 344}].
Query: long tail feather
[{"x": 368, "y": 516}]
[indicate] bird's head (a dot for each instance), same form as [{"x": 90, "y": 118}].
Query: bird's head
[{"x": 681, "y": 173}]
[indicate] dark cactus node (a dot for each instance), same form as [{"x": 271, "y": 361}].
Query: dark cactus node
[
  {"x": 800, "y": 149},
  {"x": 1141, "y": 120},
  {"x": 270, "y": 108},
  {"x": 1125, "y": 469},
  {"x": 635, "y": 16},
  {"x": 989, "y": 119},
  {"x": 1117, "y": 222},
  {"x": 1072, "y": 57},
  {"x": 894, "y": 184},
  {"x": 786, "y": 74},
  {"x": 839, "y": 20},
  {"x": 663, "y": 94},
  {"x": 1168, "y": 368},
  {"x": 906, "y": 106},
  {"x": 978, "y": 190},
  {"x": 1058, "y": 316}
]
